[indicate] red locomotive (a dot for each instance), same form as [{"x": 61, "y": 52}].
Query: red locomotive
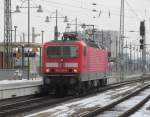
[{"x": 73, "y": 64}]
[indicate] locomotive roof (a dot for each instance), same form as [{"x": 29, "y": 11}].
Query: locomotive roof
[
  {"x": 74, "y": 37},
  {"x": 90, "y": 43},
  {"x": 63, "y": 42}
]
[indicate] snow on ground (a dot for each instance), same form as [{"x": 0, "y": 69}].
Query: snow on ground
[
  {"x": 20, "y": 81},
  {"x": 17, "y": 88},
  {"x": 75, "y": 107},
  {"x": 13, "y": 84},
  {"x": 124, "y": 106},
  {"x": 144, "y": 111}
]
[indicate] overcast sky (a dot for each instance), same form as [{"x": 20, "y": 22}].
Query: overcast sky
[{"x": 106, "y": 17}]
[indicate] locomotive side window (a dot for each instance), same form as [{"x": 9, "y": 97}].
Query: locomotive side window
[{"x": 62, "y": 51}]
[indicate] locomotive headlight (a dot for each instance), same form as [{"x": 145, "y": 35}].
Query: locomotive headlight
[
  {"x": 75, "y": 70},
  {"x": 47, "y": 70}
]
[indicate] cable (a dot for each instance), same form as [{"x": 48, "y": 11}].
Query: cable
[
  {"x": 68, "y": 5},
  {"x": 99, "y": 4},
  {"x": 132, "y": 10}
]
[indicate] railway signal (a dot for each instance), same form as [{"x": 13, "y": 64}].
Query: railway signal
[
  {"x": 141, "y": 44},
  {"x": 142, "y": 28},
  {"x": 142, "y": 34}
]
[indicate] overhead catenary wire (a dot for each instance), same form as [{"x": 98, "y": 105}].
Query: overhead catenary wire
[
  {"x": 112, "y": 13},
  {"x": 85, "y": 8},
  {"x": 132, "y": 10}
]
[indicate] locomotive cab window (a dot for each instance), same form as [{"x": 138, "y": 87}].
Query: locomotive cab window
[
  {"x": 53, "y": 51},
  {"x": 62, "y": 51}
]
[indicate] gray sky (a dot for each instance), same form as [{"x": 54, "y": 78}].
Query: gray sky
[{"x": 135, "y": 11}]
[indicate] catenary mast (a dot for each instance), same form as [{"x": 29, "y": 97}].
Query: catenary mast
[{"x": 7, "y": 34}]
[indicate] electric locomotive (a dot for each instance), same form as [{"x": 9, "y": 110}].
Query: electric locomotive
[{"x": 73, "y": 64}]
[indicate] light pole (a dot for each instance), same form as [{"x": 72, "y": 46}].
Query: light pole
[
  {"x": 134, "y": 58},
  {"x": 126, "y": 61},
  {"x": 137, "y": 59},
  {"x": 76, "y": 25},
  {"x": 149, "y": 60},
  {"x": 40, "y": 64},
  {"x": 18, "y": 10},
  {"x": 56, "y": 21},
  {"x": 28, "y": 38},
  {"x": 131, "y": 57},
  {"x": 56, "y": 27},
  {"x": 42, "y": 36},
  {"x": 141, "y": 59},
  {"x": 116, "y": 54},
  {"x": 121, "y": 41},
  {"x": 15, "y": 27},
  {"x": 11, "y": 49},
  {"x": 102, "y": 37}
]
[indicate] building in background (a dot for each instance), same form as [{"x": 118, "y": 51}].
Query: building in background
[{"x": 108, "y": 39}]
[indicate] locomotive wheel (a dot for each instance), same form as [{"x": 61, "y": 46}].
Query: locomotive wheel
[
  {"x": 45, "y": 90},
  {"x": 105, "y": 82},
  {"x": 65, "y": 90},
  {"x": 58, "y": 91},
  {"x": 83, "y": 90},
  {"x": 101, "y": 82},
  {"x": 79, "y": 89},
  {"x": 61, "y": 90},
  {"x": 98, "y": 85},
  {"x": 88, "y": 86}
]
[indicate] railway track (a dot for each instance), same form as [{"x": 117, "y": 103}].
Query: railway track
[
  {"x": 123, "y": 107},
  {"x": 27, "y": 105},
  {"x": 22, "y": 106},
  {"x": 80, "y": 106}
]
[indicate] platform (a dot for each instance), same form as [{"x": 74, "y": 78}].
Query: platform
[{"x": 16, "y": 88}]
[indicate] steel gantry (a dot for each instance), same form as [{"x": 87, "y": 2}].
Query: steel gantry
[
  {"x": 7, "y": 35},
  {"x": 121, "y": 41}
]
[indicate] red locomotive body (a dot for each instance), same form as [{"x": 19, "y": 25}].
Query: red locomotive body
[{"x": 74, "y": 65}]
